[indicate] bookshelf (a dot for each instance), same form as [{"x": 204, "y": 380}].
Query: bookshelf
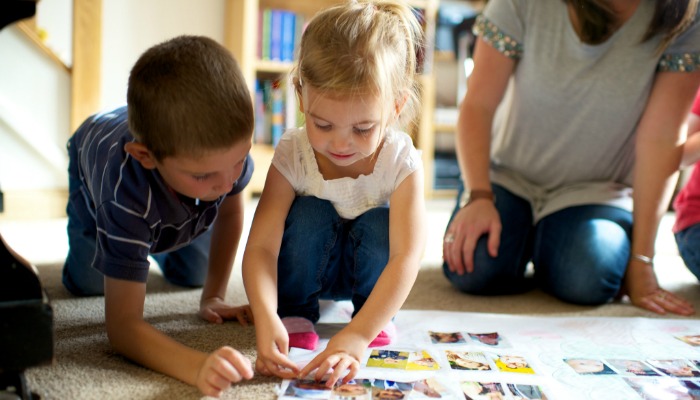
[{"x": 243, "y": 37}]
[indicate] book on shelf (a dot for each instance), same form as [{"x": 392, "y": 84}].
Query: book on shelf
[
  {"x": 276, "y": 109},
  {"x": 279, "y": 34},
  {"x": 276, "y": 35}
]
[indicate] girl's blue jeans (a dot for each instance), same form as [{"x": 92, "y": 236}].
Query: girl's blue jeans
[
  {"x": 688, "y": 241},
  {"x": 324, "y": 256},
  {"x": 579, "y": 254},
  {"x": 186, "y": 266}
]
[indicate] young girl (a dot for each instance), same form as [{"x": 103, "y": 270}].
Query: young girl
[{"x": 323, "y": 228}]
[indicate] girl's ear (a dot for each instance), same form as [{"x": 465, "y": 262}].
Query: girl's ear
[
  {"x": 400, "y": 103},
  {"x": 300, "y": 97},
  {"x": 141, "y": 154}
]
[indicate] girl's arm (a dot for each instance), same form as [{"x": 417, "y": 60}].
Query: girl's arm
[
  {"x": 658, "y": 154},
  {"x": 260, "y": 275},
  {"x": 487, "y": 86},
  {"x": 406, "y": 244}
]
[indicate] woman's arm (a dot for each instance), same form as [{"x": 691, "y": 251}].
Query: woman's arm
[
  {"x": 658, "y": 155},
  {"x": 486, "y": 88}
]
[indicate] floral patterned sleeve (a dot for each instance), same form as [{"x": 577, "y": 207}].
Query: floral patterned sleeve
[
  {"x": 683, "y": 54},
  {"x": 494, "y": 36}
]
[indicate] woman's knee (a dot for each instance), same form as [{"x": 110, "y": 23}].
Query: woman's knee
[
  {"x": 499, "y": 275},
  {"x": 581, "y": 253}
]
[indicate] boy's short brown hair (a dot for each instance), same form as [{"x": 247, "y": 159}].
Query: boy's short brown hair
[{"x": 187, "y": 95}]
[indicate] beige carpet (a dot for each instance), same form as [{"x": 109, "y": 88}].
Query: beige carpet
[{"x": 85, "y": 367}]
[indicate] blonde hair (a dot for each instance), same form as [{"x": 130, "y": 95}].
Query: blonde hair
[{"x": 360, "y": 48}]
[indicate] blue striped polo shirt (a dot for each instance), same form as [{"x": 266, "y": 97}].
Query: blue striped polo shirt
[{"x": 133, "y": 210}]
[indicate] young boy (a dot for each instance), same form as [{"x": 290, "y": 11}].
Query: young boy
[{"x": 163, "y": 176}]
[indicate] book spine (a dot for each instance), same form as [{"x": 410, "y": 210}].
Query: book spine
[
  {"x": 276, "y": 35},
  {"x": 266, "y": 24},
  {"x": 277, "y": 117},
  {"x": 288, "y": 31}
]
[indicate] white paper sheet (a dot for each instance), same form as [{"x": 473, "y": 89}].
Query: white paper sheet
[{"x": 545, "y": 343}]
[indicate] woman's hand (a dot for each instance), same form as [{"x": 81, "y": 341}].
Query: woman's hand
[
  {"x": 643, "y": 290},
  {"x": 471, "y": 222}
]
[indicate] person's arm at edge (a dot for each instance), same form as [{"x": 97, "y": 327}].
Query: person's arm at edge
[
  {"x": 487, "y": 86},
  {"x": 658, "y": 155},
  {"x": 407, "y": 238},
  {"x": 260, "y": 270},
  {"x": 225, "y": 239},
  {"x": 691, "y": 148}
]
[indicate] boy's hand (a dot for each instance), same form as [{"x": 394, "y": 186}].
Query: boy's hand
[
  {"x": 342, "y": 353},
  {"x": 215, "y": 310},
  {"x": 222, "y": 368}
]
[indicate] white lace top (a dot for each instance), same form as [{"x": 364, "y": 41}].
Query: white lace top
[{"x": 294, "y": 158}]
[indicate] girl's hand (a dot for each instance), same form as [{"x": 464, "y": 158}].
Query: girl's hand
[
  {"x": 342, "y": 353},
  {"x": 222, "y": 368},
  {"x": 469, "y": 224},
  {"x": 273, "y": 347},
  {"x": 643, "y": 290},
  {"x": 217, "y": 311}
]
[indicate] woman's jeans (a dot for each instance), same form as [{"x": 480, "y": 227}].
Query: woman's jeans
[
  {"x": 579, "y": 254},
  {"x": 324, "y": 256},
  {"x": 186, "y": 266},
  {"x": 688, "y": 241}
]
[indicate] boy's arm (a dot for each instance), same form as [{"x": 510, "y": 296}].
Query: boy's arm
[
  {"x": 225, "y": 238},
  {"x": 133, "y": 337},
  {"x": 406, "y": 244}
]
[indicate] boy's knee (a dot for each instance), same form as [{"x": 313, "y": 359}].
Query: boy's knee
[{"x": 83, "y": 287}]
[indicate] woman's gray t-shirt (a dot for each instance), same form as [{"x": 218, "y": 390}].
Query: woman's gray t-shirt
[{"x": 564, "y": 134}]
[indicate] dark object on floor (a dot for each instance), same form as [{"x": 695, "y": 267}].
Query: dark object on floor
[
  {"x": 26, "y": 324},
  {"x": 14, "y": 10}
]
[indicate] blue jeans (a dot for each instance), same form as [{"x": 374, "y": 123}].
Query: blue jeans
[
  {"x": 688, "y": 241},
  {"x": 324, "y": 256},
  {"x": 186, "y": 266},
  {"x": 580, "y": 253}
]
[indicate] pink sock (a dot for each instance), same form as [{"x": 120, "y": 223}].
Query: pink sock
[
  {"x": 301, "y": 333},
  {"x": 385, "y": 336}
]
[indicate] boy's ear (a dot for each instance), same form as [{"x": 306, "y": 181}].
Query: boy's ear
[{"x": 141, "y": 154}]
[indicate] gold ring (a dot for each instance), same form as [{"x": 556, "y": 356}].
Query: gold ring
[
  {"x": 662, "y": 295},
  {"x": 449, "y": 238}
]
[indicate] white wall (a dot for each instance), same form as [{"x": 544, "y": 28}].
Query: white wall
[{"x": 35, "y": 93}]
